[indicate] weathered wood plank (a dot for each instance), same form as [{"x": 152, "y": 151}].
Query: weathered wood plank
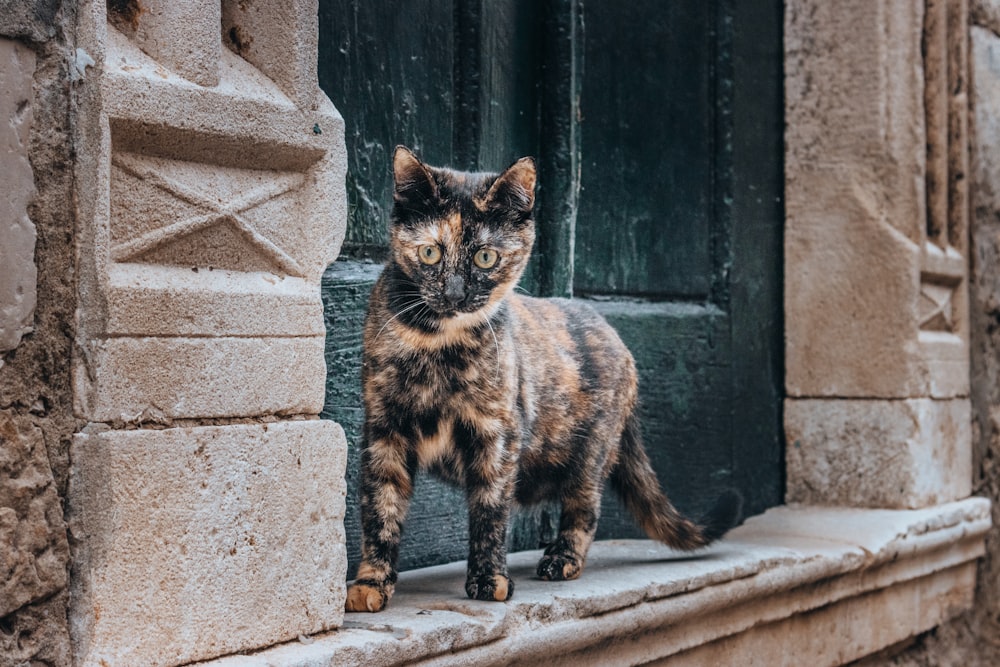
[
  {"x": 646, "y": 208},
  {"x": 755, "y": 276}
]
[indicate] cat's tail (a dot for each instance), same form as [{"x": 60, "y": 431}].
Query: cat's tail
[{"x": 636, "y": 484}]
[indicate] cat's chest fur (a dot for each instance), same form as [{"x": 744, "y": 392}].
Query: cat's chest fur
[{"x": 432, "y": 391}]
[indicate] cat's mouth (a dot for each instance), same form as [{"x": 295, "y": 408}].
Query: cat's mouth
[
  {"x": 445, "y": 308},
  {"x": 451, "y": 311}
]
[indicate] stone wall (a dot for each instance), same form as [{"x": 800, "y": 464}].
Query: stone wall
[
  {"x": 985, "y": 294},
  {"x": 973, "y": 638},
  {"x": 206, "y": 498},
  {"x": 37, "y": 302},
  {"x": 876, "y": 314},
  {"x": 177, "y": 188}
]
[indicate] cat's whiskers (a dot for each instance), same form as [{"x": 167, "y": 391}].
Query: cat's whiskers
[
  {"x": 418, "y": 302},
  {"x": 486, "y": 318}
]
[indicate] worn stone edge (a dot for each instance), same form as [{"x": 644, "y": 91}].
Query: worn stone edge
[{"x": 802, "y": 565}]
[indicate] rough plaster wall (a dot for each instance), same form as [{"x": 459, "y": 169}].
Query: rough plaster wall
[
  {"x": 973, "y": 640},
  {"x": 36, "y": 421}
]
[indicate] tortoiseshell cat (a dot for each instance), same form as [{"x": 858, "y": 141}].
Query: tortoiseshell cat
[{"x": 514, "y": 398}]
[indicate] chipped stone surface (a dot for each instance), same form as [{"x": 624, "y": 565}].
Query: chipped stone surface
[
  {"x": 254, "y": 31},
  {"x": 17, "y": 232},
  {"x": 33, "y": 546},
  {"x": 36, "y": 420},
  {"x": 37, "y": 634},
  {"x": 986, "y": 13},
  {"x": 869, "y": 453},
  {"x": 834, "y": 574},
  {"x": 37, "y": 20},
  {"x": 181, "y": 34},
  {"x": 214, "y": 538}
]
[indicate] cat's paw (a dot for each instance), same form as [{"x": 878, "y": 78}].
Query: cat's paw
[
  {"x": 367, "y": 596},
  {"x": 494, "y": 587},
  {"x": 559, "y": 567}
]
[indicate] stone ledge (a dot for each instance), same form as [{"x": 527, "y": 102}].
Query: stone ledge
[{"x": 831, "y": 583}]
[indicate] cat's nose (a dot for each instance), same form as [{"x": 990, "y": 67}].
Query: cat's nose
[{"x": 454, "y": 289}]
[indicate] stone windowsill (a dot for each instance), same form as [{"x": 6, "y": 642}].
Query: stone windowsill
[{"x": 830, "y": 584}]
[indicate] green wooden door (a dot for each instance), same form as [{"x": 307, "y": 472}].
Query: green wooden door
[{"x": 657, "y": 127}]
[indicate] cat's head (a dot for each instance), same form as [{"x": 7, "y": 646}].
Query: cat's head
[{"x": 462, "y": 239}]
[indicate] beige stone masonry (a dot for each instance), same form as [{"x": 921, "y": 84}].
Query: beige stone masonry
[
  {"x": 824, "y": 585},
  {"x": 986, "y": 58},
  {"x": 17, "y": 233},
  {"x": 206, "y": 377},
  {"x": 210, "y": 196},
  {"x": 877, "y": 308},
  {"x": 876, "y": 252},
  {"x": 902, "y": 454},
  {"x": 985, "y": 13},
  {"x": 205, "y": 541},
  {"x": 278, "y": 38},
  {"x": 195, "y": 193},
  {"x": 181, "y": 34}
]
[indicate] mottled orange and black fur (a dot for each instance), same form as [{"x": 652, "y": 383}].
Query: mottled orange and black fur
[{"x": 516, "y": 399}]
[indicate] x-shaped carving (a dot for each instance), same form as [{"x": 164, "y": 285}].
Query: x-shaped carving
[
  {"x": 936, "y": 307},
  {"x": 213, "y": 213}
]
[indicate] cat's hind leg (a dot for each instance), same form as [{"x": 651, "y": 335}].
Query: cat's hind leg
[{"x": 581, "y": 507}]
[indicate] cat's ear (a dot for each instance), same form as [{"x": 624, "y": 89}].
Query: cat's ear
[
  {"x": 514, "y": 189},
  {"x": 414, "y": 184}
]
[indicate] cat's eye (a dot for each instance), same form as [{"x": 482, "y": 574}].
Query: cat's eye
[
  {"x": 485, "y": 258},
  {"x": 429, "y": 254}
]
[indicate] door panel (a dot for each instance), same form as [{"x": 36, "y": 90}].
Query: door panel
[{"x": 646, "y": 208}]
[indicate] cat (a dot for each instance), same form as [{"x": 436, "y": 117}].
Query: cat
[{"x": 516, "y": 399}]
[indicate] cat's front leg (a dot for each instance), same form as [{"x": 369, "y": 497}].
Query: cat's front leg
[
  {"x": 489, "y": 475},
  {"x": 386, "y": 486}
]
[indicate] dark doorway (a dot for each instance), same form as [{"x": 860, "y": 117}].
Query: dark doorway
[{"x": 658, "y": 131}]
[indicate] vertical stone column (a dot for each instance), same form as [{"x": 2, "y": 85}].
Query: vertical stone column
[
  {"x": 206, "y": 498},
  {"x": 876, "y": 305}
]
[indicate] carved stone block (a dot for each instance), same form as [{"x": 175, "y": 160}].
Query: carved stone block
[
  {"x": 210, "y": 192},
  {"x": 210, "y": 214},
  {"x": 148, "y": 379},
  {"x": 181, "y": 34},
  {"x": 872, "y": 453},
  {"x": 876, "y": 306},
  {"x": 851, "y": 322},
  {"x": 197, "y": 542}
]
